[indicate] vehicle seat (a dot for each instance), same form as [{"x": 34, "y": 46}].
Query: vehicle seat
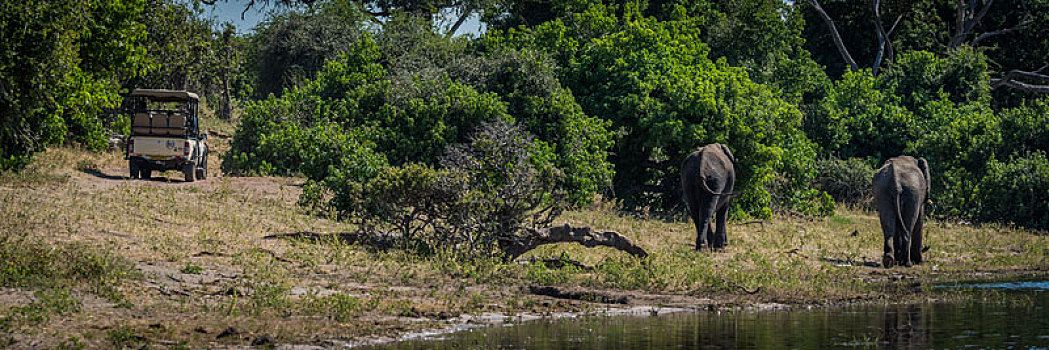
[
  {"x": 142, "y": 124},
  {"x": 177, "y": 124}
]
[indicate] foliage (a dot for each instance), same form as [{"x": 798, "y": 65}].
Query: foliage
[
  {"x": 847, "y": 180},
  {"x": 1016, "y": 192},
  {"x": 406, "y": 117},
  {"x": 920, "y": 77},
  {"x": 178, "y": 46},
  {"x": 485, "y": 192},
  {"x": 857, "y": 118},
  {"x": 24, "y": 262},
  {"x": 1025, "y": 129},
  {"x": 59, "y": 71},
  {"x": 965, "y": 137},
  {"x": 291, "y": 47},
  {"x": 966, "y": 140},
  {"x": 762, "y": 36},
  {"x": 653, "y": 81}
]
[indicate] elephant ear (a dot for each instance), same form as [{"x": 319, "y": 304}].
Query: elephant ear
[
  {"x": 924, "y": 166},
  {"x": 728, "y": 153}
]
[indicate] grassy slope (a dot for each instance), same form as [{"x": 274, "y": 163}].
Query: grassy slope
[{"x": 167, "y": 263}]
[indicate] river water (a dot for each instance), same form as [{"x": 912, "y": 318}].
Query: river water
[{"x": 1015, "y": 317}]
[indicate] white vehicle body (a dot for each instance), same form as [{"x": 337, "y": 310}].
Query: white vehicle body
[{"x": 165, "y": 134}]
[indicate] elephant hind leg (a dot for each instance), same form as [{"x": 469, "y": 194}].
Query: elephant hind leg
[
  {"x": 720, "y": 235},
  {"x": 916, "y": 238},
  {"x": 903, "y": 247},
  {"x": 910, "y": 212},
  {"x": 702, "y": 209},
  {"x": 889, "y": 225}
]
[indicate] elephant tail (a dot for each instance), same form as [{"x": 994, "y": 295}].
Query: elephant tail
[
  {"x": 703, "y": 183},
  {"x": 899, "y": 208}
]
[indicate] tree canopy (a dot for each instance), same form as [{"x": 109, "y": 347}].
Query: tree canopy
[{"x": 610, "y": 96}]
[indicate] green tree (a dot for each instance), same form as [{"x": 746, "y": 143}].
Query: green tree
[
  {"x": 290, "y": 48},
  {"x": 653, "y": 81},
  {"x": 60, "y": 69},
  {"x": 178, "y": 45}
]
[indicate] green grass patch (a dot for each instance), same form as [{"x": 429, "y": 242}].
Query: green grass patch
[
  {"x": 124, "y": 337},
  {"x": 191, "y": 269},
  {"x": 27, "y": 263}
]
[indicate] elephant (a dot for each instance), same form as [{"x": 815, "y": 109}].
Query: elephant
[
  {"x": 901, "y": 189},
  {"x": 707, "y": 177}
]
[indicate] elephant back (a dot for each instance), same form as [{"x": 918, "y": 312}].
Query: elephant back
[{"x": 899, "y": 174}]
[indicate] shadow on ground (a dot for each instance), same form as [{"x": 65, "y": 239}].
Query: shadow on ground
[
  {"x": 100, "y": 174},
  {"x": 353, "y": 238}
]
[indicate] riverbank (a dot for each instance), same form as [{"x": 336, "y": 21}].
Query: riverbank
[{"x": 92, "y": 258}]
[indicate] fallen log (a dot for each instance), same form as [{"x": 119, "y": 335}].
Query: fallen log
[{"x": 533, "y": 238}]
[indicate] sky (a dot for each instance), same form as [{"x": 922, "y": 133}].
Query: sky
[{"x": 230, "y": 11}]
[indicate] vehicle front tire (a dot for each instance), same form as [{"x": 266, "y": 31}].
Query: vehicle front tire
[
  {"x": 190, "y": 171},
  {"x": 132, "y": 167}
]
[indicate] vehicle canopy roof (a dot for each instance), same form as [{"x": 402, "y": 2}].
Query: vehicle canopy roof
[{"x": 166, "y": 95}]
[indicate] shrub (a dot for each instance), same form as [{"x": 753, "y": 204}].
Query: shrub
[
  {"x": 847, "y": 180},
  {"x": 1015, "y": 192},
  {"x": 963, "y": 138},
  {"x": 1025, "y": 128},
  {"x": 858, "y": 118},
  {"x": 485, "y": 193},
  {"x": 353, "y": 112}
]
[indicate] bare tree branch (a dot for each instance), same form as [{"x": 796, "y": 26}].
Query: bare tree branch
[
  {"x": 973, "y": 21},
  {"x": 462, "y": 18},
  {"x": 959, "y": 24},
  {"x": 967, "y": 17},
  {"x": 986, "y": 35},
  {"x": 891, "y": 54},
  {"x": 834, "y": 34},
  {"x": 882, "y": 37},
  {"x": 1010, "y": 81}
]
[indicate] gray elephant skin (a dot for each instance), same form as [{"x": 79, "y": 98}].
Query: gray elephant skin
[
  {"x": 707, "y": 177},
  {"x": 901, "y": 189}
]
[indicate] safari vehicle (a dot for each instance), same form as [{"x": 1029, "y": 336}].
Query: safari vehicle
[{"x": 165, "y": 134}]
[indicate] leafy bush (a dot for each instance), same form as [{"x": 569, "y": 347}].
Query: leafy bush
[
  {"x": 962, "y": 141},
  {"x": 919, "y": 77},
  {"x": 410, "y": 119},
  {"x": 1026, "y": 128},
  {"x": 857, "y": 118},
  {"x": 316, "y": 152},
  {"x": 1015, "y": 192},
  {"x": 486, "y": 191},
  {"x": 847, "y": 180}
]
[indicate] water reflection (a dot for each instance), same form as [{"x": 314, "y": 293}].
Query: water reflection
[
  {"x": 904, "y": 327},
  {"x": 1021, "y": 322}
]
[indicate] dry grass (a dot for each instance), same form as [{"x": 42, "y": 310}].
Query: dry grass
[{"x": 199, "y": 262}]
